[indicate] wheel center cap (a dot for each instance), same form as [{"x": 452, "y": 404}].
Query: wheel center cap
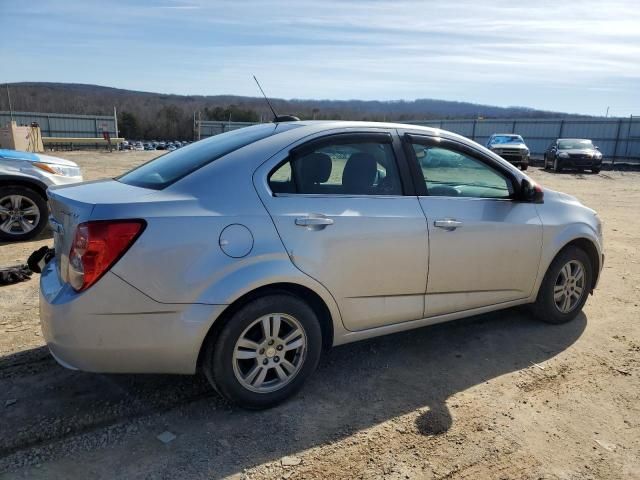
[{"x": 271, "y": 352}]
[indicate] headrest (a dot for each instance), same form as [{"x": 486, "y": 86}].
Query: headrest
[
  {"x": 314, "y": 168},
  {"x": 359, "y": 173}
]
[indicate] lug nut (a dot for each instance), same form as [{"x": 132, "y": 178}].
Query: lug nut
[
  {"x": 265, "y": 361},
  {"x": 271, "y": 342},
  {"x": 261, "y": 352},
  {"x": 279, "y": 347},
  {"x": 276, "y": 359}
]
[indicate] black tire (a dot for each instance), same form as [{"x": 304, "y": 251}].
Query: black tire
[
  {"x": 557, "y": 166},
  {"x": 218, "y": 364},
  {"x": 38, "y": 201},
  {"x": 524, "y": 166},
  {"x": 595, "y": 170},
  {"x": 545, "y": 308}
]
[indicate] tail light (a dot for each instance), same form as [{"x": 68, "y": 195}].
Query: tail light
[{"x": 97, "y": 246}]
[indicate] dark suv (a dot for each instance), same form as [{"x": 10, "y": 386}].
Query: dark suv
[{"x": 577, "y": 153}]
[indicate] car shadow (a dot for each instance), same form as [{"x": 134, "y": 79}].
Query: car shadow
[{"x": 357, "y": 386}]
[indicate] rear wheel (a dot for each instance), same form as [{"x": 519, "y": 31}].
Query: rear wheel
[
  {"x": 565, "y": 287},
  {"x": 265, "y": 352},
  {"x": 595, "y": 170},
  {"x": 524, "y": 166},
  {"x": 23, "y": 213}
]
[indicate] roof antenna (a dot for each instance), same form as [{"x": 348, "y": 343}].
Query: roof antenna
[{"x": 276, "y": 118}]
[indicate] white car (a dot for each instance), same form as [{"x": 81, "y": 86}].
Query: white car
[{"x": 24, "y": 179}]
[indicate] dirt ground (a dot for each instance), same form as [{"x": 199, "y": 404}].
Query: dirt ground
[{"x": 495, "y": 396}]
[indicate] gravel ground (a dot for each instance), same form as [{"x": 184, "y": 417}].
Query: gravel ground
[{"x": 494, "y": 396}]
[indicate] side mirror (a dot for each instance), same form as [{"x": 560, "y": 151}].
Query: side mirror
[
  {"x": 531, "y": 192},
  {"x": 597, "y": 147}
]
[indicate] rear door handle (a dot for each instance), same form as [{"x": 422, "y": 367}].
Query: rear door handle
[
  {"x": 317, "y": 222},
  {"x": 447, "y": 224}
]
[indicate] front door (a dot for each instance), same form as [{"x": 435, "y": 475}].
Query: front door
[
  {"x": 485, "y": 247},
  {"x": 339, "y": 207}
]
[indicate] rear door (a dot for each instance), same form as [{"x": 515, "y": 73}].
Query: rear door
[
  {"x": 485, "y": 246},
  {"x": 343, "y": 208}
]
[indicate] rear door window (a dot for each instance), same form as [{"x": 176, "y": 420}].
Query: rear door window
[{"x": 337, "y": 167}]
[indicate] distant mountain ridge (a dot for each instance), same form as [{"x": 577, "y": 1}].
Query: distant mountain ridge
[{"x": 150, "y": 115}]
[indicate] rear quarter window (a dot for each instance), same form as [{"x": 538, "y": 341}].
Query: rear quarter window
[{"x": 171, "y": 167}]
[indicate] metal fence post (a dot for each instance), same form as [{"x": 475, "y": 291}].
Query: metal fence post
[
  {"x": 473, "y": 131},
  {"x": 561, "y": 128},
  {"x": 626, "y": 150},
  {"x": 615, "y": 145}
]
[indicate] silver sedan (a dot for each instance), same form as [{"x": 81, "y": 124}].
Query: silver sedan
[{"x": 248, "y": 253}]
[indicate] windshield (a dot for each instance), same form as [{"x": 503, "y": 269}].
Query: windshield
[
  {"x": 506, "y": 139},
  {"x": 574, "y": 144},
  {"x": 171, "y": 167}
]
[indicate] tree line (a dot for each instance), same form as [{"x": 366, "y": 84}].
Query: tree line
[{"x": 145, "y": 115}]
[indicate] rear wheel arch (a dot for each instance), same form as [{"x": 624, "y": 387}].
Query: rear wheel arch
[{"x": 303, "y": 293}]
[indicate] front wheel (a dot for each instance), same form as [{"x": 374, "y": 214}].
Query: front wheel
[
  {"x": 595, "y": 170},
  {"x": 565, "y": 287},
  {"x": 557, "y": 167},
  {"x": 23, "y": 213},
  {"x": 524, "y": 166},
  {"x": 265, "y": 352}
]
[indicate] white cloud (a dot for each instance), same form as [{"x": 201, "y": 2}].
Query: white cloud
[{"x": 575, "y": 56}]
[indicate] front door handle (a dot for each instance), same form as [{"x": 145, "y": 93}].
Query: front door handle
[
  {"x": 314, "y": 222},
  {"x": 447, "y": 224}
]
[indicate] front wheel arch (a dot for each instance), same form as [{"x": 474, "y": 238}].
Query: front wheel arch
[
  {"x": 590, "y": 249},
  {"x": 301, "y": 292}
]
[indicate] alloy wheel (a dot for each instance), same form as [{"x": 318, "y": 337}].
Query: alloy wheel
[
  {"x": 569, "y": 287},
  {"x": 18, "y": 214},
  {"x": 269, "y": 353}
]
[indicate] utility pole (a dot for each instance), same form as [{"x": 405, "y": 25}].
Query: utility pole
[
  {"x": 10, "y": 106},
  {"x": 607, "y": 114},
  {"x": 115, "y": 119}
]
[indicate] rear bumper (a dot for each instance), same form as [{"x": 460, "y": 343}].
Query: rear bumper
[{"x": 114, "y": 328}]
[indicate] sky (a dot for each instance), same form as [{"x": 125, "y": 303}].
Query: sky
[{"x": 570, "y": 56}]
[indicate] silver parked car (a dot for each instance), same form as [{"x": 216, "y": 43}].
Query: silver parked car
[
  {"x": 24, "y": 179},
  {"x": 247, "y": 253},
  {"x": 511, "y": 147}
]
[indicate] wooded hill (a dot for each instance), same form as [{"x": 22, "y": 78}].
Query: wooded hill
[{"x": 148, "y": 115}]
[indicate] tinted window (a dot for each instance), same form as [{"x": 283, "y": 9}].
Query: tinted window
[
  {"x": 359, "y": 168},
  {"x": 499, "y": 139},
  {"x": 168, "y": 168},
  {"x": 451, "y": 173}
]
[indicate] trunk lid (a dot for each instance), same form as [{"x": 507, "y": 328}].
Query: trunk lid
[{"x": 72, "y": 205}]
